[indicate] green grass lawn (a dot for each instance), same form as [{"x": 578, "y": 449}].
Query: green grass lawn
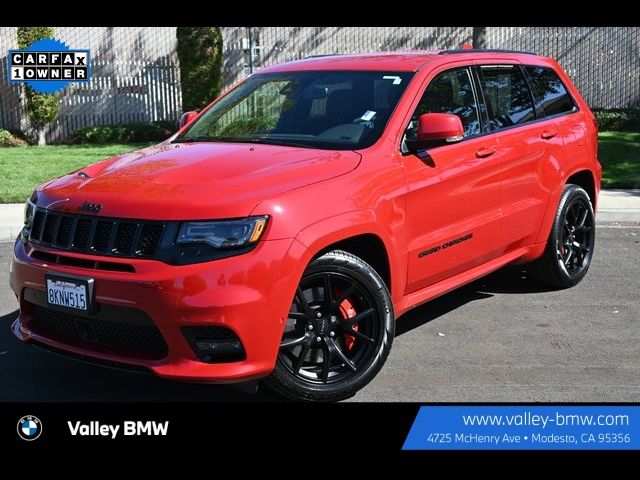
[
  {"x": 22, "y": 168},
  {"x": 620, "y": 157}
]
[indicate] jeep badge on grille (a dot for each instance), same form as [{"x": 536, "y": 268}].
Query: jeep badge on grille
[{"x": 90, "y": 207}]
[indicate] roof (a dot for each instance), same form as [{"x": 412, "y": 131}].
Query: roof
[{"x": 386, "y": 61}]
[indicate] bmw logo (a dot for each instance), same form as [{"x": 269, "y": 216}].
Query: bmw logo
[{"x": 29, "y": 428}]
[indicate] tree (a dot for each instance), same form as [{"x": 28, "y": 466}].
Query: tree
[
  {"x": 42, "y": 108},
  {"x": 479, "y": 37},
  {"x": 200, "y": 55}
]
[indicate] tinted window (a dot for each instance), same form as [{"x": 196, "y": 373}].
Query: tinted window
[
  {"x": 449, "y": 92},
  {"x": 551, "y": 93},
  {"x": 507, "y": 96}
]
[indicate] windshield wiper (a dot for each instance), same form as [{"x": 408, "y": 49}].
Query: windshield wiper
[
  {"x": 271, "y": 141},
  {"x": 199, "y": 139},
  {"x": 258, "y": 140}
]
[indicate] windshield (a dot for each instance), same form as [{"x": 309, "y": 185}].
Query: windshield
[{"x": 343, "y": 110}]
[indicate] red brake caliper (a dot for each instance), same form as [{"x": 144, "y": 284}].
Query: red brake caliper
[{"x": 347, "y": 311}]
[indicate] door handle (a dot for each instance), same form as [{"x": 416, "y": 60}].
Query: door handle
[
  {"x": 547, "y": 134},
  {"x": 485, "y": 152}
]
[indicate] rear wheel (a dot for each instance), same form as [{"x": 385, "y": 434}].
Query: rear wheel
[
  {"x": 569, "y": 249},
  {"x": 339, "y": 331}
]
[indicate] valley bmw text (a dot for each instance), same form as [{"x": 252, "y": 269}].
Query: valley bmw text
[{"x": 128, "y": 428}]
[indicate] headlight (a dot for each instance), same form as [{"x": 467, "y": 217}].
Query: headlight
[{"x": 223, "y": 234}]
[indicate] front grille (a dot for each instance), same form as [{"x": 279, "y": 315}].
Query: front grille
[
  {"x": 138, "y": 336},
  {"x": 96, "y": 235},
  {"x": 64, "y": 231},
  {"x": 81, "y": 262}
]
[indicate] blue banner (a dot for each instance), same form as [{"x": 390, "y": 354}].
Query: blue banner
[{"x": 525, "y": 427}]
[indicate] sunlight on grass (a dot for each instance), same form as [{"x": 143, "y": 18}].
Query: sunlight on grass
[
  {"x": 22, "y": 168},
  {"x": 619, "y": 154}
]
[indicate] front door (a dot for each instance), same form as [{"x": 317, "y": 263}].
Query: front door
[{"x": 453, "y": 198}]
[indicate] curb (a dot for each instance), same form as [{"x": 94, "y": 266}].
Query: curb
[
  {"x": 11, "y": 216},
  {"x": 615, "y": 206},
  {"x": 618, "y": 205}
]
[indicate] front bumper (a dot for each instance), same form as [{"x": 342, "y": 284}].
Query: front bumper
[{"x": 250, "y": 294}]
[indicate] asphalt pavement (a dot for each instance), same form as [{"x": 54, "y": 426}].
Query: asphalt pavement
[{"x": 499, "y": 339}]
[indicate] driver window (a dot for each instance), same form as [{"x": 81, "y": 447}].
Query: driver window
[{"x": 449, "y": 92}]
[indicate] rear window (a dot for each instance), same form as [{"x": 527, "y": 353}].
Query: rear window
[
  {"x": 551, "y": 92},
  {"x": 507, "y": 96}
]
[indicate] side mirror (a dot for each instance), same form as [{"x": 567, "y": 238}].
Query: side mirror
[
  {"x": 438, "y": 128},
  {"x": 187, "y": 118}
]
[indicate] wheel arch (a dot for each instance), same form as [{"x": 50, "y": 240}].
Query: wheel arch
[
  {"x": 581, "y": 176},
  {"x": 370, "y": 248},
  {"x": 359, "y": 234},
  {"x": 585, "y": 179}
]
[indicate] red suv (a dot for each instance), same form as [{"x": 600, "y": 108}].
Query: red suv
[{"x": 283, "y": 229}]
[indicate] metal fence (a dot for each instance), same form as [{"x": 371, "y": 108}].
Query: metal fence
[
  {"x": 604, "y": 63},
  {"x": 135, "y": 75},
  {"x": 134, "y": 79}
]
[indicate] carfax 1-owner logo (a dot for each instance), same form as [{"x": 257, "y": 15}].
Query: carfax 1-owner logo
[{"x": 48, "y": 65}]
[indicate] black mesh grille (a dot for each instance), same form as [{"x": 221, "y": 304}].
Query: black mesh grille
[
  {"x": 50, "y": 225},
  {"x": 129, "y": 337},
  {"x": 64, "y": 231},
  {"x": 124, "y": 237},
  {"x": 97, "y": 235},
  {"x": 38, "y": 223},
  {"x": 150, "y": 239},
  {"x": 81, "y": 237},
  {"x": 102, "y": 236}
]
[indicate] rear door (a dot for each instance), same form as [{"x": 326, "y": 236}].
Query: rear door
[
  {"x": 554, "y": 103},
  {"x": 526, "y": 147}
]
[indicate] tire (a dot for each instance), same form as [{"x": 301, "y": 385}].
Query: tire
[
  {"x": 570, "y": 246},
  {"x": 333, "y": 345}
]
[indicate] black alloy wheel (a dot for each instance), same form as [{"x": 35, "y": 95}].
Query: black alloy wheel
[
  {"x": 338, "y": 333},
  {"x": 571, "y": 242},
  {"x": 575, "y": 238}
]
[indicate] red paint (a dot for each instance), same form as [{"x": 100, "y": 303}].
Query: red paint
[
  {"x": 503, "y": 188},
  {"x": 187, "y": 118},
  {"x": 438, "y": 126}
]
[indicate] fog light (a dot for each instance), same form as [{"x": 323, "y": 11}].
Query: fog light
[
  {"x": 214, "y": 344},
  {"x": 219, "y": 347}
]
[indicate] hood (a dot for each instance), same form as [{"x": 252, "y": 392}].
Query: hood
[{"x": 192, "y": 181}]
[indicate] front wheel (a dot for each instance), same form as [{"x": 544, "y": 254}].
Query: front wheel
[
  {"x": 569, "y": 249},
  {"x": 338, "y": 333}
]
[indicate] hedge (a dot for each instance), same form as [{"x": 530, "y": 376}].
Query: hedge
[
  {"x": 618, "y": 119},
  {"x": 129, "y": 133},
  {"x": 7, "y": 139}
]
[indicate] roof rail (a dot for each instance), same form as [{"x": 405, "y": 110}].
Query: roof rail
[
  {"x": 482, "y": 50},
  {"x": 323, "y": 55}
]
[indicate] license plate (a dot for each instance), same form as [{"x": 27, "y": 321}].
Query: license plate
[{"x": 72, "y": 293}]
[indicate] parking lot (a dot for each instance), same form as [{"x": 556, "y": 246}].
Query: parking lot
[{"x": 498, "y": 339}]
